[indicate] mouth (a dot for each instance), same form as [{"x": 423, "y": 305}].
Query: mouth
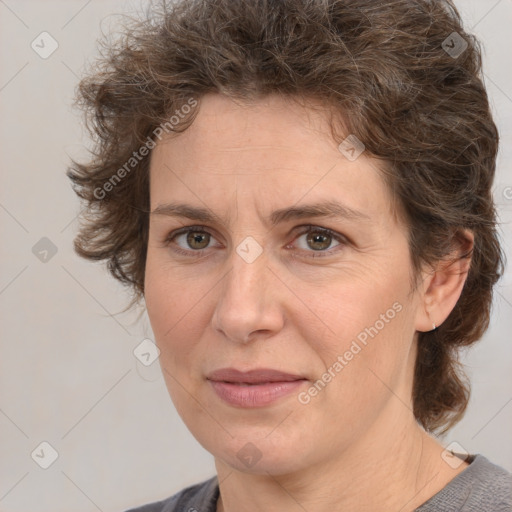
[{"x": 253, "y": 388}]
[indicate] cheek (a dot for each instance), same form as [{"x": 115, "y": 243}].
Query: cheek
[
  {"x": 371, "y": 329},
  {"x": 172, "y": 307},
  {"x": 175, "y": 324},
  {"x": 359, "y": 309}
]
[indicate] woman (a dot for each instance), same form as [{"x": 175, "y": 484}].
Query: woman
[{"x": 300, "y": 191}]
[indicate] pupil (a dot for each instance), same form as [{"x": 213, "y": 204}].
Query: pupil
[{"x": 198, "y": 238}]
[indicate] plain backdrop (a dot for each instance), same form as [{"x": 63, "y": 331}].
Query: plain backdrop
[{"x": 68, "y": 375}]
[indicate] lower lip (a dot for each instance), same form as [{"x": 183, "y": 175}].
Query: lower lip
[{"x": 255, "y": 395}]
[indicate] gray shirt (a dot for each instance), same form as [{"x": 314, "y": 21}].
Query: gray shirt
[{"x": 481, "y": 487}]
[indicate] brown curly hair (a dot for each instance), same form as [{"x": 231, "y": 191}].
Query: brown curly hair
[{"x": 402, "y": 75}]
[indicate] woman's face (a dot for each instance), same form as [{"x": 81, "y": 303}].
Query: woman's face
[{"x": 282, "y": 344}]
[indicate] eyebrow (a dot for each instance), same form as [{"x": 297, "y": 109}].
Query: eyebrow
[{"x": 327, "y": 209}]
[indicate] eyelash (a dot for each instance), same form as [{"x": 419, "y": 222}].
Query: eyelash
[{"x": 201, "y": 229}]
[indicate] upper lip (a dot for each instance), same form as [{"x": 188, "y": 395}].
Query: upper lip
[{"x": 256, "y": 376}]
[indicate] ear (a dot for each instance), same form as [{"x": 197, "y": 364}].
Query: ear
[{"x": 443, "y": 283}]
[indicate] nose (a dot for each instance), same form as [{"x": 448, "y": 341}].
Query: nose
[{"x": 249, "y": 304}]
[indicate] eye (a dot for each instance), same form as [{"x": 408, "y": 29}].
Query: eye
[
  {"x": 190, "y": 240},
  {"x": 195, "y": 241},
  {"x": 318, "y": 240}
]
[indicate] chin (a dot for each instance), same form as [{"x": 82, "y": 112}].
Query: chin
[{"x": 260, "y": 455}]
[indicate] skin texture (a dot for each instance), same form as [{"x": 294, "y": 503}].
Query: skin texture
[{"x": 355, "y": 445}]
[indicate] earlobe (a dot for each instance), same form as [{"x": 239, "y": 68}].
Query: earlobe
[{"x": 443, "y": 285}]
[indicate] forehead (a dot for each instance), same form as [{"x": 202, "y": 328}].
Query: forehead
[
  {"x": 274, "y": 122},
  {"x": 270, "y": 151}
]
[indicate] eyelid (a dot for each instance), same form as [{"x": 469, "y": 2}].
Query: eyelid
[
  {"x": 184, "y": 230},
  {"x": 341, "y": 239}
]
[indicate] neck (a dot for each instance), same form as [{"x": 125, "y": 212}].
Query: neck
[{"x": 396, "y": 469}]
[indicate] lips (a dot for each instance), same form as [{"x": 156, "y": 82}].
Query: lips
[
  {"x": 258, "y": 376},
  {"x": 253, "y": 388}
]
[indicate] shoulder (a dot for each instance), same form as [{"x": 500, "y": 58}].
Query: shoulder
[
  {"x": 481, "y": 486},
  {"x": 201, "y": 497}
]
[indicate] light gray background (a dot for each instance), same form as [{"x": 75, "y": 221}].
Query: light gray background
[{"x": 67, "y": 372}]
